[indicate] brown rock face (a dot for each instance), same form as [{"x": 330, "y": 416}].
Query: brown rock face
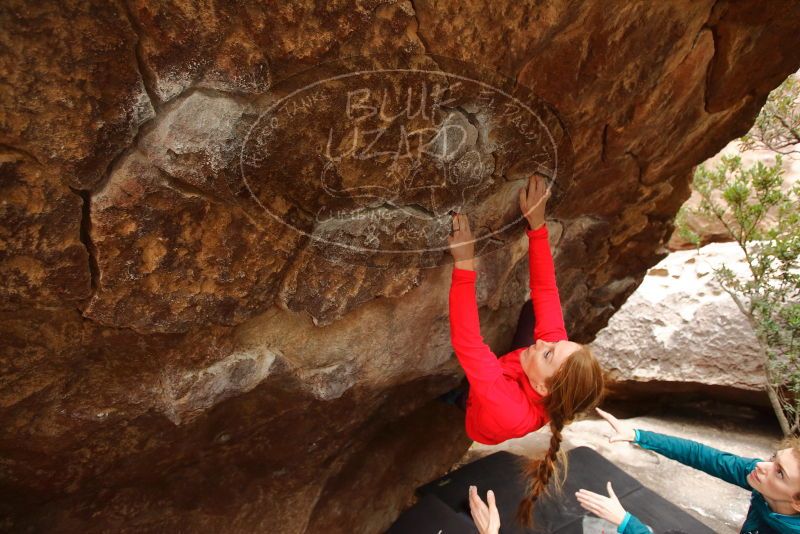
[
  {"x": 43, "y": 259},
  {"x": 224, "y": 264},
  {"x": 73, "y": 97}
]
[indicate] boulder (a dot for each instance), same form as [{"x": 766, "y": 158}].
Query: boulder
[
  {"x": 224, "y": 304},
  {"x": 680, "y": 326}
]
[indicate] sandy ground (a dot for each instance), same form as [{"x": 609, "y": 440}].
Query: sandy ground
[{"x": 719, "y": 505}]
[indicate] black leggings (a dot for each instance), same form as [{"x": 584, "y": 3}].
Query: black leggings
[{"x": 523, "y": 337}]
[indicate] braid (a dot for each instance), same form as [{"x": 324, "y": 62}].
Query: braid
[
  {"x": 575, "y": 388},
  {"x": 538, "y": 473}
]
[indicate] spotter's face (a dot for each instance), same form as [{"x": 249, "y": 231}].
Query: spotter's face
[{"x": 778, "y": 480}]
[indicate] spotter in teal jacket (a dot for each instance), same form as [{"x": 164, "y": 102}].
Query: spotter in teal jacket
[{"x": 729, "y": 467}]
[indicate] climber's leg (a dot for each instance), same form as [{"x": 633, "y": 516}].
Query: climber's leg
[
  {"x": 458, "y": 396},
  {"x": 523, "y": 337},
  {"x": 449, "y": 397}
]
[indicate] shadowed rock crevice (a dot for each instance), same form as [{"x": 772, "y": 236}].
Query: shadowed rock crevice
[
  {"x": 417, "y": 31},
  {"x": 146, "y": 75},
  {"x": 709, "y": 26},
  {"x": 86, "y": 235}
]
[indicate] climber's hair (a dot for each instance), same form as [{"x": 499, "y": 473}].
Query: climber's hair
[{"x": 576, "y": 387}]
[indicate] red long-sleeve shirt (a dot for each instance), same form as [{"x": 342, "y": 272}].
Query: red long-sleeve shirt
[{"x": 502, "y": 404}]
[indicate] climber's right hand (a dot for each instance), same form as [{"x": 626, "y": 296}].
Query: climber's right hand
[{"x": 533, "y": 200}]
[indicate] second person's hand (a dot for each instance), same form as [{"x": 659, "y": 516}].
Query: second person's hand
[
  {"x": 609, "y": 508},
  {"x": 622, "y": 431},
  {"x": 486, "y": 517}
]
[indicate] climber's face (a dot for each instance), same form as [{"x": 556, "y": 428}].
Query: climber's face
[
  {"x": 778, "y": 480},
  {"x": 541, "y": 360}
]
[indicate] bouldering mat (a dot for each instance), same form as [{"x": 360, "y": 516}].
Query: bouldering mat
[
  {"x": 560, "y": 514},
  {"x": 429, "y": 515}
]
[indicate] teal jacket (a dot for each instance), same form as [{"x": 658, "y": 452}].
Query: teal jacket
[{"x": 730, "y": 468}]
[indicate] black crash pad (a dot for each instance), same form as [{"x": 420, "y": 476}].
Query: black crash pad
[
  {"x": 558, "y": 514},
  {"x": 431, "y": 516}
]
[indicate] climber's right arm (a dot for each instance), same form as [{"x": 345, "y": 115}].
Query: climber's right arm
[{"x": 479, "y": 362}]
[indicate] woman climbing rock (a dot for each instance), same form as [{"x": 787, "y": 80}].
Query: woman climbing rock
[{"x": 551, "y": 380}]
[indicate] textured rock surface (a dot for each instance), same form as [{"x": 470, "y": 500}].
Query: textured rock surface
[
  {"x": 43, "y": 259},
  {"x": 70, "y": 101},
  {"x": 174, "y": 358},
  {"x": 680, "y": 326}
]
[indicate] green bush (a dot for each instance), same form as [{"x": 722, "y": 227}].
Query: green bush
[{"x": 761, "y": 214}]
